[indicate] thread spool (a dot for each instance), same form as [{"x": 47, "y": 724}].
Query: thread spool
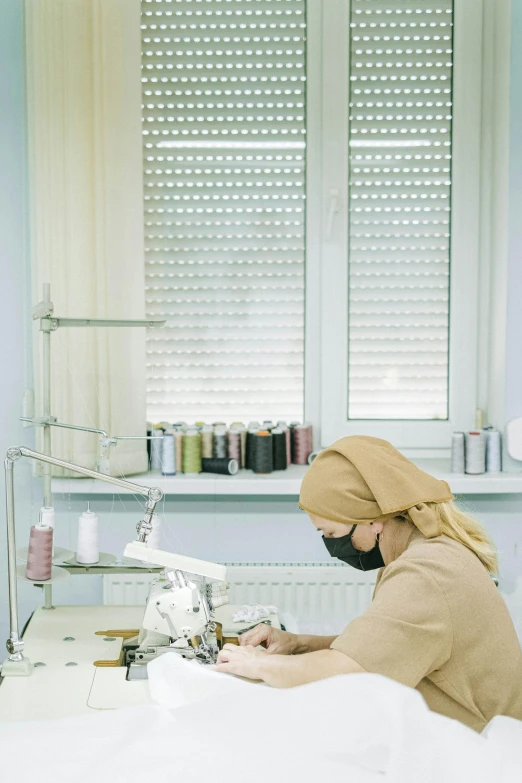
[
  {"x": 207, "y": 442},
  {"x": 178, "y": 446},
  {"x": 149, "y": 440},
  {"x": 458, "y": 451},
  {"x": 268, "y": 425},
  {"x": 155, "y": 448},
  {"x": 192, "y": 452},
  {"x": 263, "y": 457},
  {"x": 250, "y": 448},
  {"x": 224, "y": 466},
  {"x": 47, "y": 519},
  {"x": 475, "y": 458},
  {"x": 238, "y": 426},
  {"x": 291, "y": 427},
  {"x": 234, "y": 444},
  {"x": 87, "y": 549},
  {"x": 40, "y": 553},
  {"x": 312, "y": 456},
  {"x": 168, "y": 455},
  {"x": 302, "y": 443},
  {"x": 493, "y": 450},
  {"x": 243, "y": 433},
  {"x": 220, "y": 441},
  {"x": 279, "y": 449}
]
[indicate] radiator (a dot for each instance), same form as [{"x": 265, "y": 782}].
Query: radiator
[{"x": 321, "y": 598}]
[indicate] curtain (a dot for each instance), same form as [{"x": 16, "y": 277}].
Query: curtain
[{"x": 86, "y": 217}]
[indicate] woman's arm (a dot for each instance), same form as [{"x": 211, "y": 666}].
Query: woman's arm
[
  {"x": 282, "y": 642},
  {"x": 306, "y": 643},
  {"x": 283, "y": 671}
]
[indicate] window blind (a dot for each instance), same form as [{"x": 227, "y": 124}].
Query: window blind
[
  {"x": 224, "y": 159},
  {"x": 399, "y": 208}
]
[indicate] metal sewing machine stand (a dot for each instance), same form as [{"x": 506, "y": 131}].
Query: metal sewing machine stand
[
  {"x": 16, "y": 664},
  {"x": 44, "y": 312}
]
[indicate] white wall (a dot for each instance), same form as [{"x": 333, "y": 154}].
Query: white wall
[{"x": 252, "y": 529}]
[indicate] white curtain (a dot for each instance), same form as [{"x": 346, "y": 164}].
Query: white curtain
[{"x": 86, "y": 215}]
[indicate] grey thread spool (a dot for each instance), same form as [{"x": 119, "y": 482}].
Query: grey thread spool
[
  {"x": 475, "y": 453},
  {"x": 39, "y": 566},
  {"x": 493, "y": 450},
  {"x": 220, "y": 442},
  {"x": 263, "y": 457},
  {"x": 291, "y": 427},
  {"x": 168, "y": 455},
  {"x": 155, "y": 448},
  {"x": 279, "y": 449},
  {"x": 458, "y": 451},
  {"x": 224, "y": 466}
]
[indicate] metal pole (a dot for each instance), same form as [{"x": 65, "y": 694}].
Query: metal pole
[
  {"x": 152, "y": 492},
  {"x": 46, "y": 400},
  {"x": 14, "y": 655},
  {"x": 46, "y": 411}
]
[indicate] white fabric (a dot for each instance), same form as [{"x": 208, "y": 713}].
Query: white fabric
[
  {"x": 86, "y": 216},
  {"x": 358, "y": 728},
  {"x": 253, "y": 612}
]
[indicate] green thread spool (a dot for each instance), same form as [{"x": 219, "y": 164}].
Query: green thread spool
[{"x": 192, "y": 452}]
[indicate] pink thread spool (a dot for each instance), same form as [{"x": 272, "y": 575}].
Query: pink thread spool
[
  {"x": 234, "y": 445},
  {"x": 303, "y": 438},
  {"x": 40, "y": 555}
]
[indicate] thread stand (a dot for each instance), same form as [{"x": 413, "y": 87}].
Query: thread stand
[
  {"x": 44, "y": 312},
  {"x": 16, "y": 663}
]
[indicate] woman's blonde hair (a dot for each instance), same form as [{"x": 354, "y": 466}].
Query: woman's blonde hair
[{"x": 465, "y": 529}]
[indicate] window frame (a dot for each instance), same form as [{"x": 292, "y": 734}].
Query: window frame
[{"x": 326, "y": 335}]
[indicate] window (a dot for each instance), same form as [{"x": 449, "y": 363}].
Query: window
[
  {"x": 224, "y": 163},
  {"x": 391, "y": 111},
  {"x": 399, "y": 177},
  {"x": 400, "y": 105}
]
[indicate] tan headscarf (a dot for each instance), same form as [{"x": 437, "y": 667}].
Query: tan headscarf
[{"x": 358, "y": 480}]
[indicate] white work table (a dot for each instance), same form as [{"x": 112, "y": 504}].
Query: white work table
[
  {"x": 69, "y": 683},
  {"x": 284, "y": 482},
  {"x": 65, "y": 640}
]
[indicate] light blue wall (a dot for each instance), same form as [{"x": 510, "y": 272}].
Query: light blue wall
[
  {"x": 14, "y": 276},
  {"x": 252, "y": 529}
]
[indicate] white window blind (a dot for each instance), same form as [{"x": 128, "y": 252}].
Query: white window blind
[
  {"x": 224, "y": 159},
  {"x": 399, "y": 208}
]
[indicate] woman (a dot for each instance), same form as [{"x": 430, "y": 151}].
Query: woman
[{"x": 437, "y": 622}]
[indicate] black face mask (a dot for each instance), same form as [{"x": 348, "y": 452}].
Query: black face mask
[{"x": 343, "y": 549}]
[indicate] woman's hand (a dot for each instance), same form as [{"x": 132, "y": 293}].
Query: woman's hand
[
  {"x": 244, "y": 661},
  {"x": 276, "y": 641}
]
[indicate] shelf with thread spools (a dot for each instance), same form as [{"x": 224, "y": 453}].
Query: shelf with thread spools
[
  {"x": 227, "y": 449},
  {"x": 287, "y": 482}
]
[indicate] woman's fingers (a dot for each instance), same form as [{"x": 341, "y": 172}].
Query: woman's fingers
[
  {"x": 255, "y": 637},
  {"x": 242, "y": 661}
]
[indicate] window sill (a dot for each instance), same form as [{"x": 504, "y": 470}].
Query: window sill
[{"x": 285, "y": 482}]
